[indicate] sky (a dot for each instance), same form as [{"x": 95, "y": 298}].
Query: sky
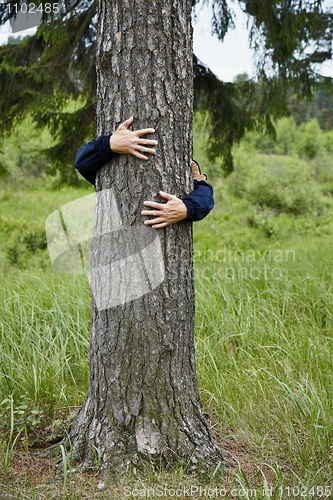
[{"x": 227, "y": 59}]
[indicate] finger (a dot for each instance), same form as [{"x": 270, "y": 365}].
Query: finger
[
  {"x": 167, "y": 196},
  {"x": 147, "y": 142},
  {"x": 153, "y": 204},
  {"x": 138, "y": 155},
  {"x": 156, "y": 213},
  {"x": 144, "y": 131},
  {"x": 163, "y": 224},
  {"x": 142, "y": 149},
  {"x": 127, "y": 123},
  {"x": 154, "y": 221}
]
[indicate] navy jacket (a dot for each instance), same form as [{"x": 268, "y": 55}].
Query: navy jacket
[{"x": 93, "y": 155}]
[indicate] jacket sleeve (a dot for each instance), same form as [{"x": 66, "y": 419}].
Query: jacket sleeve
[
  {"x": 92, "y": 156},
  {"x": 200, "y": 202}
]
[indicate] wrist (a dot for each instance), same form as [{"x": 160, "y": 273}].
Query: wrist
[
  {"x": 184, "y": 211},
  {"x": 190, "y": 209},
  {"x": 105, "y": 145}
]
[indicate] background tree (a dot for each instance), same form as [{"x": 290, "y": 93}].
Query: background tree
[{"x": 43, "y": 73}]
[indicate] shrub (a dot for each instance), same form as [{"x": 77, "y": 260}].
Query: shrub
[
  {"x": 262, "y": 219},
  {"x": 284, "y": 144},
  {"x": 310, "y": 139},
  {"x": 328, "y": 141},
  {"x": 25, "y": 241},
  {"x": 283, "y": 184},
  {"x": 324, "y": 172},
  {"x": 286, "y": 134}
]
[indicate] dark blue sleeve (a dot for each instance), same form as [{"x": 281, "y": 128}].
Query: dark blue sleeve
[
  {"x": 92, "y": 156},
  {"x": 200, "y": 202}
]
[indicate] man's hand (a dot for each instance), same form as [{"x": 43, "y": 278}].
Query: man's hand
[
  {"x": 125, "y": 141},
  {"x": 167, "y": 213}
]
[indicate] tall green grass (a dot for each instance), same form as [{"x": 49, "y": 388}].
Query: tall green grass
[
  {"x": 44, "y": 338},
  {"x": 263, "y": 347},
  {"x": 263, "y": 340},
  {"x": 264, "y": 355}
]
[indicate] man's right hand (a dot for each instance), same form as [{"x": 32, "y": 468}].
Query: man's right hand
[{"x": 125, "y": 141}]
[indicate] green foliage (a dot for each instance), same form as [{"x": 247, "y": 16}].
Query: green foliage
[
  {"x": 328, "y": 141},
  {"x": 282, "y": 32},
  {"x": 25, "y": 414},
  {"x": 283, "y": 144},
  {"x": 29, "y": 150},
  {"x": 286, "y": 135},
  {"x": 262, "y": 219},
  {"x": 232, "y": 109},
  {"x": 22, "y": 151},
  {"x": 21, "y": 245},
  {"x": 319, "y": 107},
  {"x": 23, "y": 239},
  {"x": 310, "y": 139},
  {"x": 283, "y": 184},
  {"x": 211, "y": 168},
  {"x": 42, "y": 74}
]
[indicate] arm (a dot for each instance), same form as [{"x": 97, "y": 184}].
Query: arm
[
  {"x": 93, "y": 155},
  {"x": 200, "y": 201}
]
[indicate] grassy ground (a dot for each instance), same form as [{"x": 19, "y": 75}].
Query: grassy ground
[{"x": 263, "y": 344}]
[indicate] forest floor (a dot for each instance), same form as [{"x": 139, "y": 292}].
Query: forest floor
[
  {"x": 30, "y": 477},
  {"x": 33, "y": 478}
]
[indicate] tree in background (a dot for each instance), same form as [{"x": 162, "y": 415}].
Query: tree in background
[
  {"x": 319, "y": 107},
  {"x": 43, "y": 73}
]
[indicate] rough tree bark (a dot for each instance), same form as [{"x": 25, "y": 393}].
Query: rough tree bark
[{"x": 143, "y": 402}]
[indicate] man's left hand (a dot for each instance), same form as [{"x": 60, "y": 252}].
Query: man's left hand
[{"x": 166, "y": 213}]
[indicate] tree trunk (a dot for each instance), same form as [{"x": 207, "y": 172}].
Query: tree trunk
[{"x": 143, "y": 402}]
